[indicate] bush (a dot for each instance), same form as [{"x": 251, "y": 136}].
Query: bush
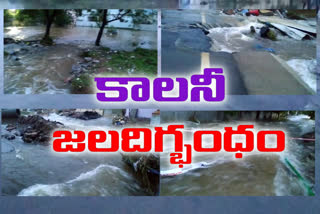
[{"x": 81, "y": 85}]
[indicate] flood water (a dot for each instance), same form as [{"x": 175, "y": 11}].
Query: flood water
[
  {"x": 34, "y": 170},
  {"x": 256, "y": 174},
  {"x": 251, "y": 4},
  {"x": 80, "y": 4},
  {"x": 232, "y": 34},
  {"x": 44, "y": 69},
  {"x": 173, "y": 4}
]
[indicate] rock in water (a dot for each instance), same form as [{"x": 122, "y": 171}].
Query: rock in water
[
  {"x": 36, "y": 130},
  {"x": 8, "y": 136},
  {"x": 87, "y": 115},
  {"x": 9, "y": 41}
]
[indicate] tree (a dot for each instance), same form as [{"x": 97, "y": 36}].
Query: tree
[
  {"x": 39, "y": 17},
  {"x": 138, "y": 17},
  {"x": 59, "y": 18},
  {"x": 105, "y": 21},
  {"x": 50, "y": 16}
]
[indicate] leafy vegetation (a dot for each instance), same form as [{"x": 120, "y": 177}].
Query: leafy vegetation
[
  {"x": 82, "y": 85},
  {"x": 35, "y": 17},
  {"x": 143, "y": 61},
  {"x": 140, "y": 61}
]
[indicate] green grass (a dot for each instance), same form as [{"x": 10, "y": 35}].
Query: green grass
[
  {"x": 82, "y": 85},
  {"x": 144, "y": 61}
]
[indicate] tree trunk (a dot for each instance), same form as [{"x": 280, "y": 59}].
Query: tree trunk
[
  {"x": 50, "y": 19},
  {"x": 104, "y": 23}
]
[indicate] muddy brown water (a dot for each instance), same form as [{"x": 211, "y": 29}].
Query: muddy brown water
[
  {"x": 253, "y": 4},
  {"x": 45, "y": 69},
  {"x": 35, "y": 170},
  {"x": 255, "y": 175}
]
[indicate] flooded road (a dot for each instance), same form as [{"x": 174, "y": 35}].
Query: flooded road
[
  {"x": 41, "y": 70},
  {"x": 256, "y": 174},
  {"x": 35, "y": 170},
  {"x": 36, "y": 69},
  {"x": 173, "y": 4},
  {"x": 232, "y": 34},
  {"x": 231, "y": 4},
  {"x": 86, "y": 36},
  {"x": 288, "y": 64}
]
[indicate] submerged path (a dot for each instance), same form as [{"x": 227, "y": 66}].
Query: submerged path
[{"x": 253, "y": 4}]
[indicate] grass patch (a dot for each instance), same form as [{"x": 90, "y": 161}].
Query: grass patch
[
  {"x": 82, "y": 85},
  {"x": 143, "y": 61}
]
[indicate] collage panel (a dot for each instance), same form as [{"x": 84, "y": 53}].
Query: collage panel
[
  {"x": 83, "y": 4},
  {"x": 174, "y": 4},
  {"x": 262, "y": 52},
  {"x": 30, "y": 166},
  {"x": 61, "y": 51},
  {"x": 220, "y": 173},
  {"x": 254, "y": 4}
]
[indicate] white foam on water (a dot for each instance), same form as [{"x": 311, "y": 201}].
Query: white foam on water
[
  {"x": 306, "y": 69},
  {"x": 89, "y": 183},
  {"x": 73, "y": 123},
  {"x": 299, "y": 117},
  {"x": 226, "y": 39},
  {"x": 304, "y": 122}
]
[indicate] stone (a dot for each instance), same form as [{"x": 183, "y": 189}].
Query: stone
[
  {"x": 10, "y": 128},
  {"x": 9, "y": 41},
  {"x": 86, "y": 115},
  {"x": 88, "y": 59},
  {"x": 76, "y": 69},
  {"x": 8, "y": 136},
  {"x": 36, "y": 130}
]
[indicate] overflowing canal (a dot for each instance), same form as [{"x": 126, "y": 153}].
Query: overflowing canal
[
  {"x": 256, "y": 174},
  {"x": 35, "y": 170}
]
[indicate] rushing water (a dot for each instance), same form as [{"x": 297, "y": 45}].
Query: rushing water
[
  {"x": 34, "y": 170},
  {"x": 251, "y": 4},
  {"x": 189, "y": 4},
  {"x": 255, "y": 174},
  {"x": 80, "y": 4},
  {"x": 232, "y": 34},
  {"x": 41, "y": 70},
  {"x": 45, "y": 69}
]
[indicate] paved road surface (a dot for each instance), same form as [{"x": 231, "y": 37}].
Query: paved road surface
[{"x": 257, "y": 73}]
